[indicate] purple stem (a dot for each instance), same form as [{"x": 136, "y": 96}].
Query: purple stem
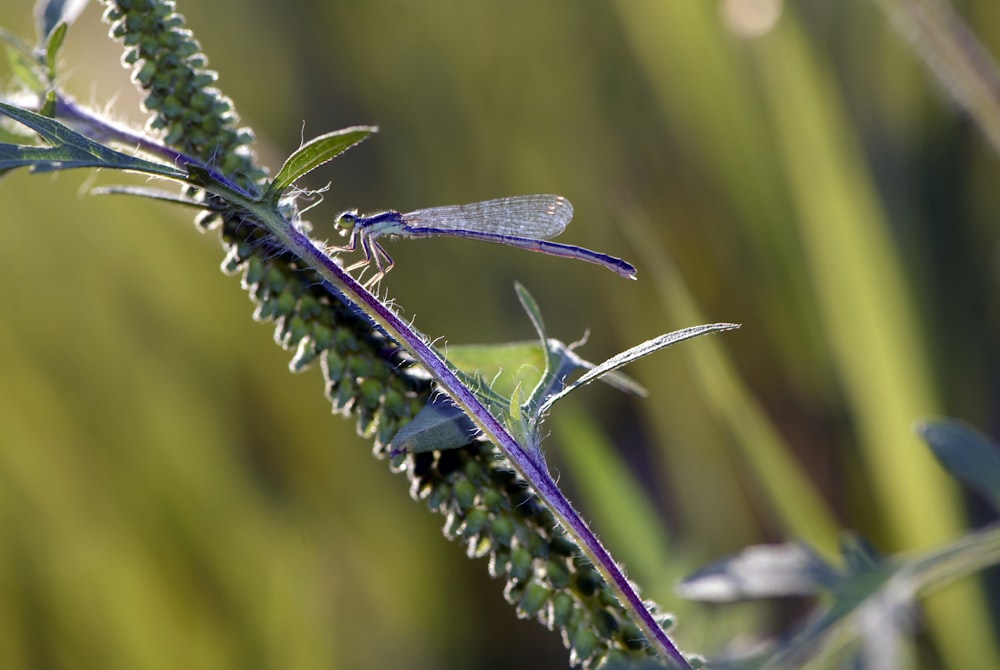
[
  {"x": 539, "y": 478},
  {"x": 532, "y": 469},
  {"x": 102, "y": 130}
]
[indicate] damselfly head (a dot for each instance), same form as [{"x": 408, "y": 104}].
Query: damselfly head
[{"x": 347, "y": 221}]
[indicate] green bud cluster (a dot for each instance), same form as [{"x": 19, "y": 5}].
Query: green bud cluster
[
  {"x": 487, "y": 505},
  {"x": 364, "y": 372},
  {"x": 187, "y": 110},
  {"x": 489, "y": 508}
]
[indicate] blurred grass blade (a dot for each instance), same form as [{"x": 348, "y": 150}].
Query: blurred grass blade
[
  {"x": 964, "y": 67},
  {"x": 788, "y": 491},
  {"x": 629, "y": 521},
  {"x": 870, "y": 320},
  {"x": 27, "y": 70}
]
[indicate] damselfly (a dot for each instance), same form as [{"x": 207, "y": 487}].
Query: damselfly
[{"x": 525, "y": 221}]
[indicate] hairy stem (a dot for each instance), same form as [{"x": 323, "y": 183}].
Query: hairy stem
[{"x": 540, "y": 479}]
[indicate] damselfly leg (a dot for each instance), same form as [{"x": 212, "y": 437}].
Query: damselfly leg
[{"x": 371, "y": 251}]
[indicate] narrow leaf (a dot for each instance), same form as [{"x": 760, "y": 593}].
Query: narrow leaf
[
  {"x": 315, "y": 153},
  {"x": 859, "y": 555},
  {"x": 514, "y": 411},
  {"x": 639, "y": 351},
  {"x": 53, "y": 44},
  {"x": 557, "y": 365},
  {"x": 155, "y": 194},
  {"x": 763, "y": 571},
  {"x": 967, "y": 454},
  {"x": 49, "y": 14},
  {"x": 69, "y": 150},
  {"x": 967, "y": 555},
  {"x": 531, "y": 307}
]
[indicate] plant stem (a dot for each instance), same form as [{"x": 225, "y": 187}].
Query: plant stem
[
  {"x": 527, "y": 462},
  {"x": 101, "y": 130},
  {"x": 493, "y": 429}
]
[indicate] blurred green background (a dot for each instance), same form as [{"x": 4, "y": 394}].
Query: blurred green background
[{"x": 170, "y": 496}]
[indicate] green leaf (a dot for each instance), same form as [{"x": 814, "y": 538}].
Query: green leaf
[
  {"x": 51, "y": 14},
  {"x": 762, "y": 571},
  {"x": 510, "y": 368},
  {"x": 869, "y": 599},
  {"x": 504, "y": 365},
  {"x": 315, "y": 153},
  {"x": 49, "y": 105},
  {"x": 530, "y": 306},
  {"x": 155, "y": 194},
  {"x": 858, "y": 593},
  {"x": 967, "y": 454},
  {"x": 551, "y": 377},
  {"x": 52, "y": 47},
  {"x": 859, "y": 556},
  {"x": 440, "y": 425},
  {"x": 69, "y": 150},
  {"x": 635, "y": 353},
  {"x": 512, "y": 363},
  {"x": 515, "y": 418},
  {"x": 507, "y": 366}
]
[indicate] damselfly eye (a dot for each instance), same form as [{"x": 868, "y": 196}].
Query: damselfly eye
[{"x": 347, "y": 220}]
